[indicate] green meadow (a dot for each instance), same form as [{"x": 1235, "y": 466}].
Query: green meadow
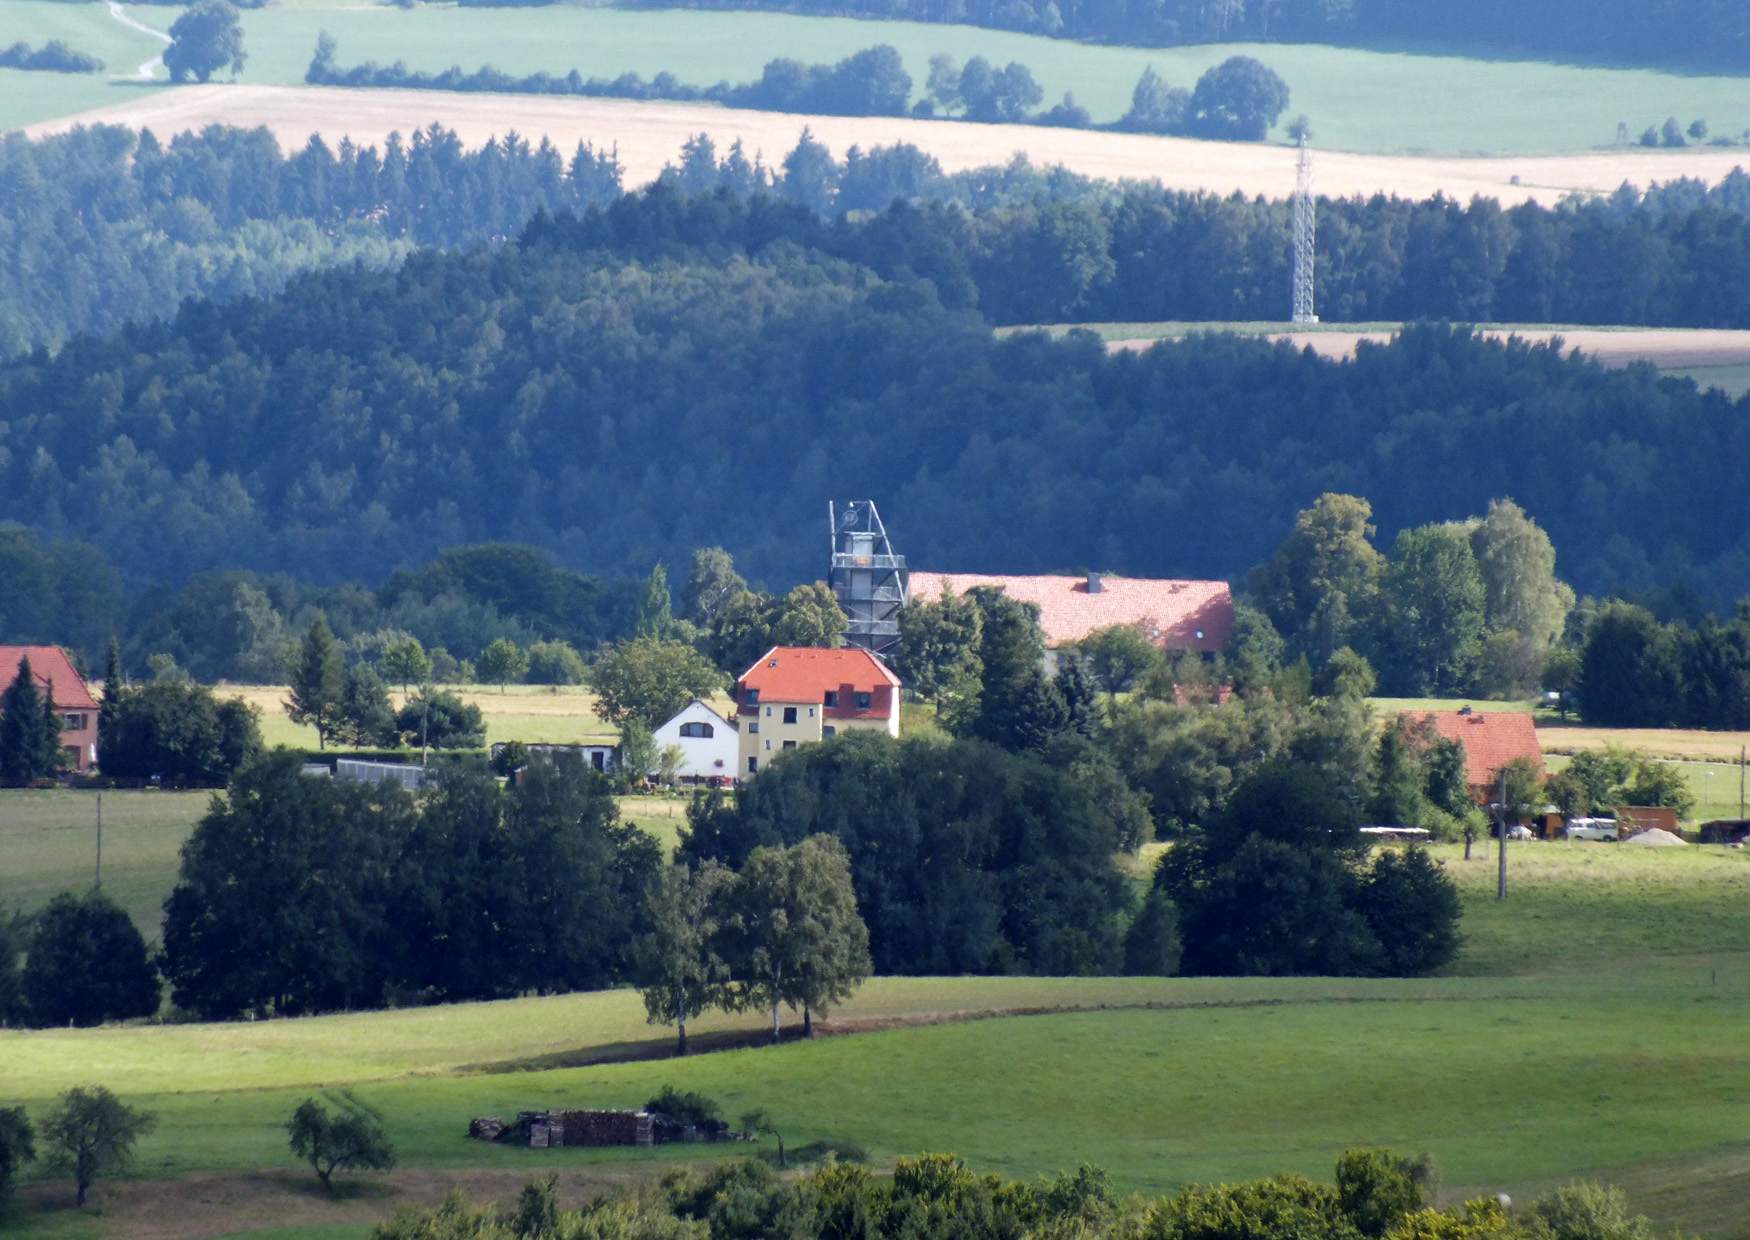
[
  {"x": 1356, "y": 99},
  {"x": 1594, "y": 1030}
]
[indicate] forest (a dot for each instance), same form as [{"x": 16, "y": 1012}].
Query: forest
[
  {"x": 101, "y": 226},
  {"x": 1698, "y": 34},
  {"x": 607, "y": 387}
]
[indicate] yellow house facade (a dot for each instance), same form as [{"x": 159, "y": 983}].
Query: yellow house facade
[{"x": 802, "y": 695}]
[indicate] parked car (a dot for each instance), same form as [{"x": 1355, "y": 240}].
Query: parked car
[{"x": 1603, "y": 829}]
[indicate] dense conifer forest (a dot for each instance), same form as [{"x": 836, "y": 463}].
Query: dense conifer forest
[
  {"x": 102, "y": 226},
  {"x": 669, "y": 373}
]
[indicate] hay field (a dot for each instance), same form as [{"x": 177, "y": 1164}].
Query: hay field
[
  {"x": 563, "y": 714},
  {"x": 1708, "y": 355},
  {"x": 648, "y": 135},
  {"x": 1355, "y": 98}
]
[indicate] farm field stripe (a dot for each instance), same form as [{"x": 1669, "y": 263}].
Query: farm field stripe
[{"x": 648, "y": 135}]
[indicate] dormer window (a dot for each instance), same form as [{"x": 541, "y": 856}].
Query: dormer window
[
  {"x": 865, "y": 700},
  {"x": 751, "y": 696},
  {"x": 831, "y": 699}
]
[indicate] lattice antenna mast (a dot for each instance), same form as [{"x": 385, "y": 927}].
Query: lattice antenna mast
[{"x": 1304, "y": 235}]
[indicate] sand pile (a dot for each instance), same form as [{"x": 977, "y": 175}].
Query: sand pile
[{"x": 1656, "y": 837}]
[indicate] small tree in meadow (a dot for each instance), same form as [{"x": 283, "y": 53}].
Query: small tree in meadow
[
  {"x": 91, "y": 1131},
  {"x": 502, "y": 662},
  {"x": 351, "y": 1136}
]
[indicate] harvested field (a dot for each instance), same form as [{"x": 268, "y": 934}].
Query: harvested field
[
  {"x": 1686, "y": 349},
  {"x": 647, "y": 135}
]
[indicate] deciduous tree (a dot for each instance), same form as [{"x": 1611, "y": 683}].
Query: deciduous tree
[
  {"x": 87, "y": 964},
  {"x": 680, "y": 961},
  {"x": 90, "y": 1131},
  {"x": 350, "y": 1136},
  {"x": 207, "y": 37},
  {"x": 649, "y": 680}
]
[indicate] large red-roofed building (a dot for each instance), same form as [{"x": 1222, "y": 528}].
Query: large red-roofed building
[
  {"x": 802, "y": 695},
  {"x": 1174, "y": 615},
  {"x": 1491, "y": 740},
  {"x": 50, "y": 667}
]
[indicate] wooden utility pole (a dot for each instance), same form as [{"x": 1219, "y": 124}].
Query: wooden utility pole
[
  {"x": 100, "y": 841},
  {"x": 1741, "y": 749},
  {"x": 1501, "y": 878}
]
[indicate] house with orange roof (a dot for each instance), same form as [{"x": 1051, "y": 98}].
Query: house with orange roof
[
  {"x": 54, "y": 673},
  {"x": 802, "y": 695},
  {"x": 1491, "y": 739},
  {"x": 1174, "y": 615}
]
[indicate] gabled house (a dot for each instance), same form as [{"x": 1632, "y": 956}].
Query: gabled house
[
  {"x": 711, "y": 743},
  {"x": 1174, "y": 615},
  {"x": 50, "y": 667},
  {"x": 802, "y": 695},
  {"x": 1491, "y": 740}
]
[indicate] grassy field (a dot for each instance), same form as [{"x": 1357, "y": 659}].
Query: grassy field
[
  {"x": 26, "y": 97},
  {"x": 1595, "y": 1031},
  {"x": 1465, "y": 106},
  {"x": 48, "y": 844}
]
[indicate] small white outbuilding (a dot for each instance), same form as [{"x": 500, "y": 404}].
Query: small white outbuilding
[{"x": 708, "y": 739}]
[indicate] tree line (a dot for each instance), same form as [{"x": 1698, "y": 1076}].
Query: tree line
[
  {"x": 1238, "y": 100},
  {"x": 1705, "y": 34},
  {"x": 113, "y": 226}
]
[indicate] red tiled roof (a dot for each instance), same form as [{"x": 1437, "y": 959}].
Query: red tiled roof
[
  {"x": 805, "y": 673},
  {"x": 1491, "y": 739},
  {"x": 48, "y": 663},
  {"x": 1170, "y": 613}
]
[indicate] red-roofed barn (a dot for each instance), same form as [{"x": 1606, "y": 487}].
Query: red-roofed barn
[
  {"x": 1175, "y": 615},
  {"x": 1491, "y": 740},
  {"x": 801, "y": 695},
  {"x": 50, "y": 668}
]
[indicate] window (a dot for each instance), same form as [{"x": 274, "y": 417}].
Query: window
[
  {"x": 789, "y": 744},
  {"x": 828, "y": 732},
  {"x": 768, "y": 712},
  {"x": 789, "y": 714},
  {"x": 832, "y": 699},
  {"x": 768, "y": 744},
  {"x": 811, "y": 712},
  {"x": 73, "y": 723},
  {"x": 753, "y": 726},
  {"x": 863, "y": 700},
  {"x": 750, "y": 696},
  {"x": 753, "y": 764},
  {"x": 700, "y": 730}
]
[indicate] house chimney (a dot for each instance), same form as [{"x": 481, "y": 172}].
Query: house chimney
[{"x": 1096, "y": 582}]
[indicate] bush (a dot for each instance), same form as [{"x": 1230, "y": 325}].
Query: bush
[
  {"x": 441, "y": 720},
  {"x": 1412, "y": 906},
  {"x": 685, "y": 1106},
  {"x": 555, "y": 663},
  {"x": 54, "y": 57}
]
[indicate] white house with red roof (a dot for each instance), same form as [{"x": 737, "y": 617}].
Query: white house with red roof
[
  {"x": 1174, "y": 615},
  {"x": 802, "y": 695},
  {"x": 54, "y": 671}
]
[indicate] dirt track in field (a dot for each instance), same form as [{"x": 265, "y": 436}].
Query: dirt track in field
[
  {"x": 647, "y": 135},
  {"x": 1666, "y": 348}
]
